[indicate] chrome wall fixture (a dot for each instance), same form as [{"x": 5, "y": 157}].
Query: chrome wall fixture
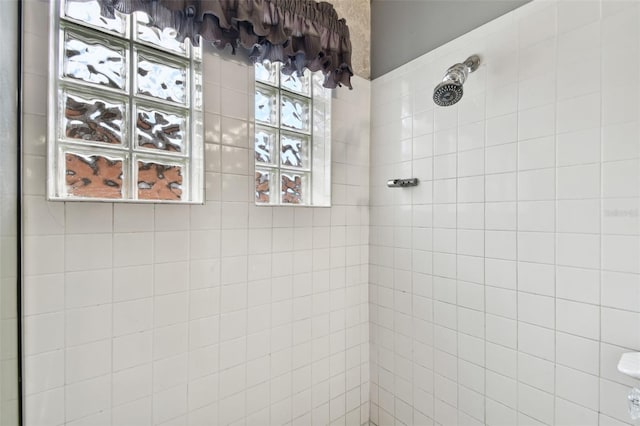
[
  {"x": 629, "y": 364},
  {"x": 402, "y": 183}
]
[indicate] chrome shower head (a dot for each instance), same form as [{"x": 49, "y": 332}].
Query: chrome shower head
[
  {"x": 446, "y": 94},
  {"x": 450, "y": 90}
]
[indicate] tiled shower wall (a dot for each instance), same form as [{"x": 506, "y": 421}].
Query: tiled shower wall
[
  {"x": 214, "y": 314},
  {"x": 9, "y": 196},
  {"x": 505, "y": 286}
]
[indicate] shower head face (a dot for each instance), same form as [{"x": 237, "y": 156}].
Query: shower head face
[{"x": 447, "y": 93}]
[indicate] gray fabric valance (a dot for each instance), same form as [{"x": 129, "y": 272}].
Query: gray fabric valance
[{"x": 299, "y": 33}]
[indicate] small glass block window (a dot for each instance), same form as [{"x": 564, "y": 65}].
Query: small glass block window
[
  {"x": 125, "y": 109},
  {"x": 93, "y": 119},
  {"x": 292, "y": 138},
  {"x": 90, "y": 175},
  {"x": 92, "y": 62},
  {"x": 162, "y": 39}
]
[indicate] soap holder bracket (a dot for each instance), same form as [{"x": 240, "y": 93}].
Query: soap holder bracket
[
  {"x": 402, "y": 183},
  {"x": 634, "y": 403},
  {"x": 629, "y": 364}
]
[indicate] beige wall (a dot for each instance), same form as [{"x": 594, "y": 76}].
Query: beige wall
[{"x": 358, "y": 16}]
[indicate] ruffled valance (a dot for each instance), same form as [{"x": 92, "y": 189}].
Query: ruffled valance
[{"x": 299, "y": 33}]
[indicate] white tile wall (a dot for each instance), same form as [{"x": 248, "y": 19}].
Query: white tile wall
[
  {"x": 505, "y": 286},
  {"x": 502, "y": 289},
  {"x": 217, "y": 314}
]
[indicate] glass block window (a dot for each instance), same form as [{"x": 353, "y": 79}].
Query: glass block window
[
  {"x": 125, "y": 109},
  {"x": 292, "y": 138}
]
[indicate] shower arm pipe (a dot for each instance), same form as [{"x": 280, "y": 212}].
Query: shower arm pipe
[{"x": 459, "y": 72}]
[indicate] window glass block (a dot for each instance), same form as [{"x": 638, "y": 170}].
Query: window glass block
[
  {"x": 198, "y": 83},
  {"x": 319, "y": 121},
  {"x": 293, "y": 189},
  {"x": 161, "y": 80},
  {"x": 265, "y": 145},
  {"x": 156, "y": 129},
  {"x": 266, "y": 105},
  {"x": 299, "y": 84},
  {"x": 88, "y": 12},
  {"x": 294, "y": 150},
  {"x": 321, "y": 114},
  {"x": 163, "y": 39},
  {"x": 92, "y": 61},
  {"x": 264, "y": 181},
  {"x": 157, "y": 181},
  {"x": 91, "y": 118},
  {"x": 196, "y": 51},
  {"x": 318, "y": 90},
  {"x": 93, "y": 176},
  {"x": 295, "y": 113},
  {"x": 267, "y": 72}
]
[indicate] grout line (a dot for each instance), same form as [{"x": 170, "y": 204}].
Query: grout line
[
  {"x": 112, "y": 337},
  {"x": 601, "y": 203},
  {"x": 457, "y": 284},
  {"x": 153, "y": 308},
  {"x": 484, "y": 255},
  {"x": 432, "y": 203},
  {"x": 555, "y": 215},
  {"x": 517, "y": 230},
  {"x": 187, "y": 349}
]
